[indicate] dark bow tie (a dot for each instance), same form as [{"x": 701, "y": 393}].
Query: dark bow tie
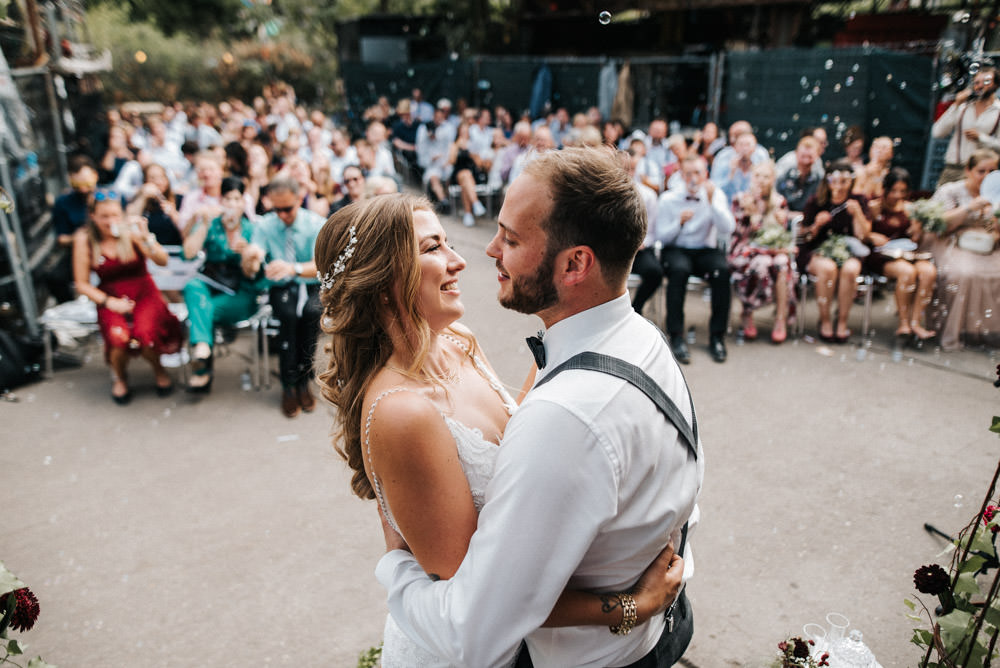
[
  {"x": 693, "y": 198},
  {"x": 537, "y": 349}
]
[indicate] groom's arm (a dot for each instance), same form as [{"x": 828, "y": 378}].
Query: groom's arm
[{"x": 553, "y": 488}]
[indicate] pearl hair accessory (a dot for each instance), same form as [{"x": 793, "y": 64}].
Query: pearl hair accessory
[{"x": 327, "y": 279}]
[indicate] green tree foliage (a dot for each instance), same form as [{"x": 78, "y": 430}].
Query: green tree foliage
[{"x": 198, "y": 18}]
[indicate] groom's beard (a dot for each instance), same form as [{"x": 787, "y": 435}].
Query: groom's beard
[{"x": 534, "y": 293}]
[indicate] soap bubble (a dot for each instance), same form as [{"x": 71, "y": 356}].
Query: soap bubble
[
  {"x": 888, "y": 77},
  {"x": 828, "y": 64},
  {"x": 855, "y": 67},
  {"x": 604, "y": 18},
  {"x": 742, "y": 95},
  {"x": 875, "y": 122},
  {"x": 849, "y": 81},
  {"x": 795, "y": 117},
  {"x": 815, "y": 90},
  {"x": 805, "y": 82},
  {"x": 902, "y": 85},
  {"x": 836, "y": 88},
  {"x": 973, "y": 69},
  {"x": 824, "y": 118}
]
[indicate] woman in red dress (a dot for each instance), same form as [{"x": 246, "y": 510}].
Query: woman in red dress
[{"x": 131, "y": 313}]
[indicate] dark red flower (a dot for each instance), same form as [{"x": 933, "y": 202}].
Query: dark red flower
[
  {"x": 783, "y": 645},
  {"x": 801, "y": 649},
  {"x": 988, "y": 515},
  {"x": 931, "y": 580},
  {"x": 824, "y": 660},
  {"x": 25, "y": 608}
]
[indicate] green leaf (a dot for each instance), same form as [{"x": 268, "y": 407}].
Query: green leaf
[
  {"x": 972, "y": 564},
  {"x": 983, "y": 541},
  {"x": 995, "y": 427},
  {"x": 38, "y": 663},
  {"x": 14, "y": 647},
  {"x": 909, "y": 604},
  {"x": 954, "y": 628},
  {"x": 993, "y": 614},
  {"x": 916, "y": 618},
  {"x": 966, "y": 584},
  {"x": 8, "y": 581}
]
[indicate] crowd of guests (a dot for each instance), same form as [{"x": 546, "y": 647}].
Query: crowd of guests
[{"x": 246, "y": 188}]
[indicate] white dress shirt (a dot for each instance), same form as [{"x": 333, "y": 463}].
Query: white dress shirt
[
  {"x": 649, "y": 200},
  {"x": 710, "y": 220},
  {"x": 590, "y": 482},
  {"x": 961, "y": 147}
]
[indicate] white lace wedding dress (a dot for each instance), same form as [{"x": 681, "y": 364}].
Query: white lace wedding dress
[{"x": 478, "y": 457}]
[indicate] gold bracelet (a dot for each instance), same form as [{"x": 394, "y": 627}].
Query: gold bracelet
[{"x": 629, "y": 615}]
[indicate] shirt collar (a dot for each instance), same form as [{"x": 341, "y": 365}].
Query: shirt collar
[{"x": 582, "y": 331}]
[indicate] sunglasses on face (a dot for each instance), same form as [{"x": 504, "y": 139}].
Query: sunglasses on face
[{"x": 285, "y": 209}]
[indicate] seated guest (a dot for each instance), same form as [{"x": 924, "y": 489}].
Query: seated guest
[
  {"x": 282, "y": 243},
  {"x": 689, "y": 222},
  {"x": 520, "y": 144},
  {"x": 204, "y": 202},
  {"x": 220, "y": 294},
  {"x": 343, "y": 154},
  {"x": 467, "y": 172},
  {"x": 645, "y": 264},
  {"x": 733, "y": 175},
  {"x": 914, "y": 277},
  {"x": 968, "y": 262},
  {"x": 646, "y": 172},
  {"x": 707, "y": 142},
  {"x": 434, "y": 141},
  {"x": 300, "y": 170},
  {"x": 118, "y": 153},
  {"x": 854, "y": 146},
  {"x": 678, "y": 150},
  {"x": 404, "y": 136},
  {"x": 155, "y": 201},
  {"x": 798, "y": 183},
  {"x": 354, "y": 187},
  {"x": 69, "y": 213},
  {"x": 131, "y": 313},
  {"x": 376, "y": 135},
  {"x": 725, "y": 154},
  {"x": 831, "y": 213},
  {"x": 762, "y": 273},
  {"x": 868, "y": 182},
  {"x": 789, "y": 160},
  {"x": 541, "y": 141},
  {"x": 658, "y": 149}
]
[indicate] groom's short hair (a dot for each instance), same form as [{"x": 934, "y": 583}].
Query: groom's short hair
[{"x": 594, "y": 203}]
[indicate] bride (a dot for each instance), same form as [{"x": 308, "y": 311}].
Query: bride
[{"x": 420, "y": 412}]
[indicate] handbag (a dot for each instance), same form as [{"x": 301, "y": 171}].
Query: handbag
[
  {"x": 222, "y": 276},
  {"x": 976, "y": 241}
]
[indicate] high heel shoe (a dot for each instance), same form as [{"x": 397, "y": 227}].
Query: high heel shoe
[
  {"x": 202, "y": 366},
  {"x": 779, "y": 336},
  {"x": 121, "y": 399}
]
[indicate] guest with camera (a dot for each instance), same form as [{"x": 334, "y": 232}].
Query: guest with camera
[
  {"x": 131, "y": 313},
  {"x": 972, "y": 122},
  {"x": 219, "y": 294}
]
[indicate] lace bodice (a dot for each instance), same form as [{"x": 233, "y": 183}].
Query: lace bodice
[{"x": 476, "y": 453}]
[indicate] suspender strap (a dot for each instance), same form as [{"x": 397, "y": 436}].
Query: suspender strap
[{"x": 632, "y": 374}]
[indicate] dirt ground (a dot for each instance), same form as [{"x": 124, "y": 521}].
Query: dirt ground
[{"x": 216, "y": 532}]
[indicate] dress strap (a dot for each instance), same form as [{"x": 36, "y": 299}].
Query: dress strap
[{"x": 368, "y": 455}]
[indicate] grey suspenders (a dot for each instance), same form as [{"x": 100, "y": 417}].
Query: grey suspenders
[{"x": 632, "y": 374}]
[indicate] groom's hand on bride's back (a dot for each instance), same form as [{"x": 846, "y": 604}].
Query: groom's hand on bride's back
[{"x": 659, "y": 585}]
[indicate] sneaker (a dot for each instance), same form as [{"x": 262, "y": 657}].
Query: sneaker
[
  {"x": 468, "y": 220},
  {"x": 478, "y": 209}
]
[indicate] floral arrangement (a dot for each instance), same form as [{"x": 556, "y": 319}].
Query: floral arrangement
[
  {"x": 773, "y": 236},
  {"x": 965, "y": 624},
  {"x": 835, "y": 247},
  {"x": 929, "y": 214},
  {"x": 797, "y": 653},
  {"x": 18, "y": 612}
]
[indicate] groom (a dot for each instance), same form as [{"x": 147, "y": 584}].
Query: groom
[{"x": 591, "y": 480}]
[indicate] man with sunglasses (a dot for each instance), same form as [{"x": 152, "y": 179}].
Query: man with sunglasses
[
  {"x": 354, "y": 186},
  {"x": 69, "y": 213},
  {"x": 282, "y": 245}
]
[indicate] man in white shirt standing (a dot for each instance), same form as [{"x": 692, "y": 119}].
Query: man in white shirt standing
[
  {"x": 972, "y": 122},
  {"x": 690, "y": 222},
  {"x": 591, "y": 480}
]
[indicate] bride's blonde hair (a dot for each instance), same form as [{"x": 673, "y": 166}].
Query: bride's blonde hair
[{"x": 374, "y": 244}]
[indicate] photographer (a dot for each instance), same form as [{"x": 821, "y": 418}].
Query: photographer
[{"x": 972, "y": 121}]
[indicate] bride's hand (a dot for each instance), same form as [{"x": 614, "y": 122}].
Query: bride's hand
[
  {"x": 393, "y": 541},
  {"x": 659, "y": 585}
]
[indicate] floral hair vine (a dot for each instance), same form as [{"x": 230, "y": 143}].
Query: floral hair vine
[{"x": 327, "y": 279}]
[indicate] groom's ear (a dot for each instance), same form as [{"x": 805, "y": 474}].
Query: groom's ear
[{"x": 575, "y": 265}]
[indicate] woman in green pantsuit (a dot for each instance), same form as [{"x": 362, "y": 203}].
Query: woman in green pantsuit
[{"x": 220, "y": 294}]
